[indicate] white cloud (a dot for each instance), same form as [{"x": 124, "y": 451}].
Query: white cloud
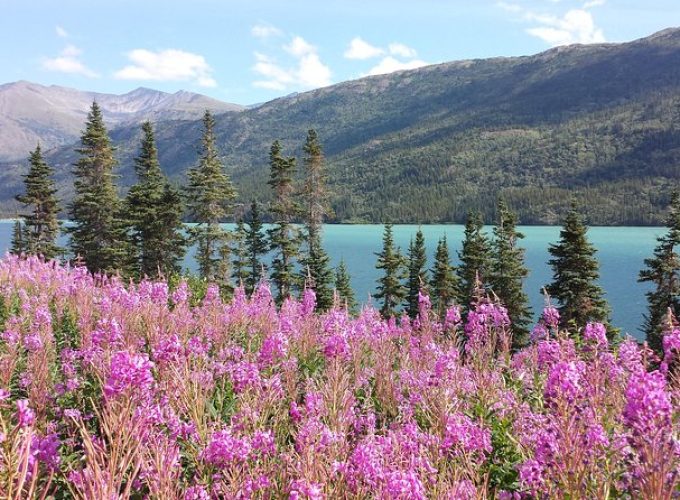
[
  {"x": 263, "y": 30},
  {"x": 389, "y": 64},
  {"x": 299, "y": 47},
  {"x": 399, "y": 49},
  {"x": 307, "y": 72},
  {"x": 167, "y": 65},
  {"x": 509, "y": 7},
  {"x": 61, "y": 32},
  {"x": 69, "y": 62},
  {"x": 576, "y": 26},
  {"x": 360, "y": 49}
]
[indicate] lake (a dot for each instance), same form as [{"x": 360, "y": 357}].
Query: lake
[{"x": 621, "y": 252}]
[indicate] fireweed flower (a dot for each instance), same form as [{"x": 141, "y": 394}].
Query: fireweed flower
[
  {"x": 25, "y": 416},
  {"x": 551, "y": 317},
  {"x": 463, "y": 435},
  {"x": 452, "y": 318},
  {"x": 386, "y": 413},
  {"x": 129, "y": 372},
  {"x": 566, "y": 380},
  {"x": 225, "y": 449},
  {"x": 596, "y": 333},
  {"x": 648, "y": 407}
]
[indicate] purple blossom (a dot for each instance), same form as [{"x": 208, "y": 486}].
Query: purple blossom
[
  {"x": 129, "y": 372},
  {"x": 463, "y": 435},
  {"x": 551, "y": 317},
  {"x": 25, "y": 416},
  {"x": 566, "y": 380},
  {"x": 596, "y": 333},
  {"x": 648, "y": 405},
  {"x": 225, "y": 449},
  {"x": 531, "y": 476}
]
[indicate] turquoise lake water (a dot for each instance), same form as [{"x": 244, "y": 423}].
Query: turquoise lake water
[{"x": 621, "y": 251}]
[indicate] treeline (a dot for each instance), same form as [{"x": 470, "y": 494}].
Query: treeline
[{"x": 143, "y": 235}]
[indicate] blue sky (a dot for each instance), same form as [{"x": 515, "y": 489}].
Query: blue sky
[{"x": 253, "y": 51}]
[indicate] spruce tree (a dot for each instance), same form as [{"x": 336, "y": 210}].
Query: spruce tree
[
  {"x": 444, "y": 283},
  {"x": 315, "y": 265},
  {"x": 256, "y": 246},
  {"x": 41, "y": 224},
  {"x": 417, "y": 272},
  {"x": 210, "y": 196},
  {"x": 508, "y": 273},
  {"x": 391, "y": 289},
  {"x": 19, "y": 236},
  {"x": 663, "y": 271},
  {"x": 475, "y": 258},
  {"x": 343, "y": 287},
  {"x": 98, "y": 230},
  {"x": 240, "y": 270},
  {"x": 283, "y": 236},
  {"x": 154, "y": 212},
  {"x": 575, "y": 275}
]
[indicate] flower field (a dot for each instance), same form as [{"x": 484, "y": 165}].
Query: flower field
[{"x": 110, "y": 390}]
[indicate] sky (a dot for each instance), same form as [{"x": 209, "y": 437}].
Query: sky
[{"x": 248, "y": 52}]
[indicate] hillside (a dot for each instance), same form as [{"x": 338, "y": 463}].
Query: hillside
[
  {"x": 596, "y": 121},
  {"x": 55, "y": 115}
]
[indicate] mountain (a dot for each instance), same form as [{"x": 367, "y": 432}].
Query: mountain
[
  {"x": 55, "y": 115},
  {"x": 596, "y": 122}
]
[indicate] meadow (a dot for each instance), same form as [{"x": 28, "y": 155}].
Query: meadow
[{"x": 111, "y": 389}]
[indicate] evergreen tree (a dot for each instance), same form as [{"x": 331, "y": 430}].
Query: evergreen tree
[
  {"x": 343, "y": 287},
  {"x": 98, "y": 231},
  {"x": 283, "y": 236},
  {"x": 575, "y": 275},
  {"x": 256, "y": 246},
  {"x": 508, "y": 273},
  {"x": 41, "y": 225},
  {"x": 663, "y": 271},
  {"x": 391, "y": 289},
  {"x": 444, "y": 283},
  {"x": 417, "y": 272},
  {"x": 154, "y": 212},
  {"x": 210, "y": 195},
  {"x": 315, "y": 269},
  {"x": 475, "y": 258},
  {"x": 19, "y": 237},
  {"x": 240, "y": 263}
]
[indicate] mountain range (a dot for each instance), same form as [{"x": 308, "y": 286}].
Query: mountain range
[
  {"x": 597, "y": 123},
  {"x": 55, "y": 115}
]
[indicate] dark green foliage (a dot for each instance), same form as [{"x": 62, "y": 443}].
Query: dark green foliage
[
  {"x": 444, "y": 283},
  {"x": 315, "y": 264},
  {"x": 575, "y": 274},
  {"x": 283, "y": 236},
  {"x": 210, "y": 196},
  {"x": 42, "y": 226},
  {"x": 391, "y": 289},
  {"x": 343, "y": 287},
  {"x": 257, "y": 247},
  {"x": 239, "y": 265},
  {"x": 508, "y": 273},
  {"x": 475, "y": 260},
  {"x": 417, "y": 272},
  {"x": 663, "y": 271},
  {"x": 154, "y": 212},
  {"x": 98, "y": 231},
  {"x": 19, "y": 238}
]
